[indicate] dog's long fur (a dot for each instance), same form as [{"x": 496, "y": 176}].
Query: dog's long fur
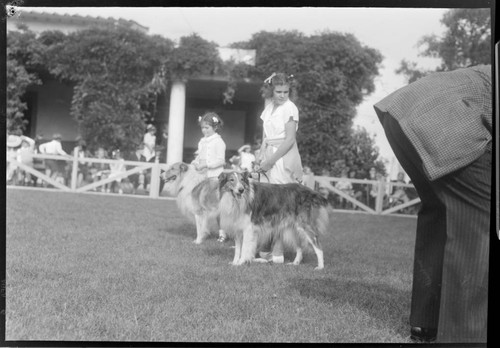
[
  {"x": 197, "y": 197},
  {"x": 256, "y": 213}
]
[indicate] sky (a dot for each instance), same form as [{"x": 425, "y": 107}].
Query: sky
[{"x": 394, "y": 32}]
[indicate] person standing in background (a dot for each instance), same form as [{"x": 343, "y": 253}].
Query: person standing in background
[
  {"x": 247, "y": 159},
  {"x": 25, "y": 156},
  {"x": 149, "y": 141}
]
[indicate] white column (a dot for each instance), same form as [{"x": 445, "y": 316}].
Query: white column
[{"x": 176, "y": 122}]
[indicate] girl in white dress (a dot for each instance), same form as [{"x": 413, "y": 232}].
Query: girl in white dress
[
  {"x": 211, "y": 156},
  {"x": 279, "y": 156}
]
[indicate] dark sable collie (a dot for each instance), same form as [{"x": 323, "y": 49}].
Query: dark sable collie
[{"x": 255, "y": 213}]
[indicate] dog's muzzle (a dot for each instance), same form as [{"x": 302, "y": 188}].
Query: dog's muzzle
[
  {"x": 238, "y": 191},
  {"x": 170, "y": 178}
]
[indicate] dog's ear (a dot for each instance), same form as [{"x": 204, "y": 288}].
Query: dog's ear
[
  {"x": 222, "y": 176},
  {"x": 222, "y": 180},
  {"x": 246, "y": 175},
  {"x": 183, "y": 167}
]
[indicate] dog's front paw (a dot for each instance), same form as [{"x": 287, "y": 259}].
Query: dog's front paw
[
  {"x": 196, "y": 241},
  {"x": 244, "y": 261},
  {"x": 260, "y": 260},
  {"x": 318, "y": 268},
  {"x": 293, "y": 263}
]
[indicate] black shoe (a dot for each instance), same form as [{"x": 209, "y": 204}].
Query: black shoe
[{"x": 422, "y": 334}]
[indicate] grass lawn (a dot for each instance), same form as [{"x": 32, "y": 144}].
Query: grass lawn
[{"x": 114, "y": 268}]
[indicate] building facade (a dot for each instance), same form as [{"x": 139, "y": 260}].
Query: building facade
[{"x": 179, "y": 107}]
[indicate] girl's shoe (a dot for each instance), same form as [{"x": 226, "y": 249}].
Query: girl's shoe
[{"x": 221, "y": 239}]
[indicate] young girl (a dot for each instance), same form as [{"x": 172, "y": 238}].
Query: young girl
[
  {"x": 211, "y": 156},
  {"x": 279, "y": 155},
  {"x": 247, "y": 158}
]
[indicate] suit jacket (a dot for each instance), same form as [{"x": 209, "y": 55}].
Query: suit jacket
[{"x": 446, "y": 116}]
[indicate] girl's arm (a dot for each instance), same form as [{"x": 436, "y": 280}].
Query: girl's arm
[
  {"x": 286, "y": 145},
  {"x": 260, "y": 155}
]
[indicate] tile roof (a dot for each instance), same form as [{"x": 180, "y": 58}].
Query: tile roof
[{"x": 78, "y": 18}]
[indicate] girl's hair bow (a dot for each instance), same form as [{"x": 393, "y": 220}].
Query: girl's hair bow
[{"x": 269, "y": 79}]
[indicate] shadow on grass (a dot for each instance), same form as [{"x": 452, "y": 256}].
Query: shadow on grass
[
  {"x": 181, "y": 228},
  {"x": 388, "y": 305}
]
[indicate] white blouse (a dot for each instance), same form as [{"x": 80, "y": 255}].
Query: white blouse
[
  {"x": 212, "y": 150},
  {"x": 274, "y": 122}
]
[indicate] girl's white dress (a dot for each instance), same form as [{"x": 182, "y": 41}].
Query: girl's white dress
[
  {"x": 212, "y": 152},
  {"x": 288, "y": 169}
]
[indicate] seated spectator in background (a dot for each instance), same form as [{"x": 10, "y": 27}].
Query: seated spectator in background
[
  {"x": 247, "y": 159},
  {"x": 83, "y": 166},
  {"x": 345, "y": 186},
  {"x": 116, "y": 169},
  {"x": 308, "y": 178},
  {"x": 100, "y": 171},
  {"x": 235, "y": 163},
  {"x": 373, "y": 187},
  {"x": 38, "y": 163},
  {"x": 325, "y": 172},
  {"x": 398, "y": 194},
  {"x": 54, "y": 168},
  {"x": 325, "y": 192},
  {"x": 357, "y": 189},
  {"x": 139, "y": 180},
  {"x": 25, "y": 156},
  {"x": 13, "y": 144}
]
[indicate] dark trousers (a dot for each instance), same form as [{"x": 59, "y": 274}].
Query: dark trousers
[{"x": 450, "y": 274}]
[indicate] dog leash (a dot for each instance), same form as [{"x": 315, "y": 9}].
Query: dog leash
[{"x": 259, "y": 172}]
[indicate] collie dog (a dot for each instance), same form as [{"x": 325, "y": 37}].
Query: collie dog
[
  {"x": 197, "y": 196},
  {"x": 255, "y": 213}
]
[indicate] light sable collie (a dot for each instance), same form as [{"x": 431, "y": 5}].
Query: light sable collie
[
  {"x": 255, "y": 213},
  {"x": 197, "y": 197}
]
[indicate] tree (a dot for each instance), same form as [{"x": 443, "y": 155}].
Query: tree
[
  {"x": 334, "y": 71},
  {"x": 194, "y": 57},
  {"x": 112, "y": 70},
  {"x": 466, "y": 42},
  {"x": 117, "y": 73},
  {"x": 23, "y": 54}
]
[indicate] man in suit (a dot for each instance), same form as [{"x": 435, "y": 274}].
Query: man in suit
[{"x": 440, "y": 129}]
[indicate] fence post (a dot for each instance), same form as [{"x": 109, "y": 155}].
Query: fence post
[
  {"x": 380, "y": 196},
  {"x": 155, "y": 179},
  {"x": 74, "y": 171}
]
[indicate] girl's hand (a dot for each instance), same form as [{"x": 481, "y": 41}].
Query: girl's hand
[
  {"x": 266, "y": 165},
  {"x": 200, "y": 167}
]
